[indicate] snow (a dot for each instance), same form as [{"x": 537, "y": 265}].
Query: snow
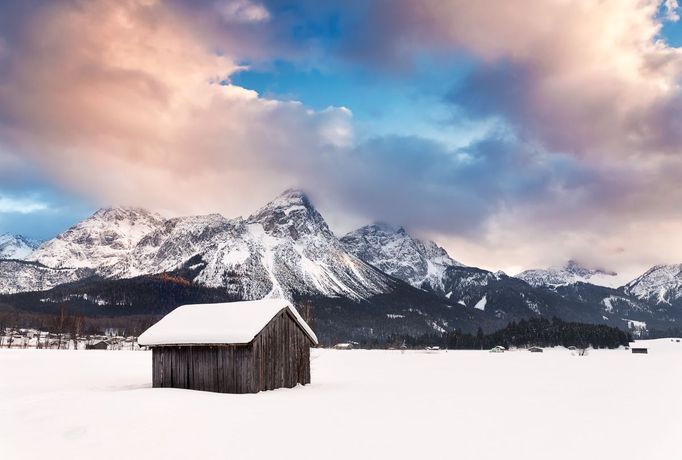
[
  {"x": 15, "y": 246},
  {"x": 570, "y": 273},
  {"x": 392, "y": 250},
  {"x": 236, "y": 256},
  {"x": 637, "y": 325},
  {"x": 437, "y": 327},
  {"x": 608, "y": 303},
  {"x": 361, "y": 404},
  {"x": 607, "y": 280},
  {"x": 101, "y": 241},
  {"x": 18, "y": 276},
  {"x": 661, "y": 283},
  {"x": 480, "y": 305},
  {"x": 533, "y": 306},
  {"x": 234, "y": 322}
]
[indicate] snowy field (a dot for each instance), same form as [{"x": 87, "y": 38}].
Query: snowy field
[{"x": 361, "y": 405}]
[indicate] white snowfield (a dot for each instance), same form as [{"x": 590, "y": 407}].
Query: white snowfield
[
  {"x": 215, "y": 323},
  {"x": 610, "y": 404}
]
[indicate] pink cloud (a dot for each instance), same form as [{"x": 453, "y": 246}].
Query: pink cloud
[{"x": 124, "y": 100}]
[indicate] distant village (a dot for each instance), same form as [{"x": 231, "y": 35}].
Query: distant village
[{"x": 33, "y": 338}]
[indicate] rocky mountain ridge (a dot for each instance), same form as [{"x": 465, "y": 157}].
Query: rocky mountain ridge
[
  {"x": 392, "y": 250},
  {"x": 16, "y": 246},
  {"x": 660, "y": 285}
]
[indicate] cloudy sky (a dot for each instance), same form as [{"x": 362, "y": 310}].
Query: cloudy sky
[{"x": 516, "y": 134}]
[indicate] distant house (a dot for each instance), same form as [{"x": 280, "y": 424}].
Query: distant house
[
  {"x": 343, "y": 346},
  {"x": 643, "y": 351},
  {"x": 497, "y": 349},
  {"x": 99, "y": 345},
  {"x": 535, "y": 350},
  {"x": 238, "y": 347}
]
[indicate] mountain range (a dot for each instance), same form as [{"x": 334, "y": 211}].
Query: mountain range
[{"x": 373, "y": 282}]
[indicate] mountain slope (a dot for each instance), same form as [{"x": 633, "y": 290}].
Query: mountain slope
[
  {"x": 286, "y": 248},
  {"x": 505, "y": 296},
  {"x": 558, "y": 291},
  {"x": 392, "y": 250},
  {"x": 510, "y": 298},
  {"x": 429, "y": 267},
  {"x": 173, "y": 243},
  {"x": 616, "y": 306},
  {"x": 569, "y": 273},
  {"x": 21, "y": 276},
  {"x": 15, "y": 246},
  {"x": 100, "y": 241},
  {"x": 661, "y": 284}
]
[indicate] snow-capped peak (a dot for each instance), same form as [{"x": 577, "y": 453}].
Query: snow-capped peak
[
  {"x": 100, "y": 240},
  {"x": 570, "y": 273},
  {"x": 15, "y": 246},
  {"x": 289, "y": 198},
  {"x": 661, "y": 284},
  {"x": 392, "y": 250},
  {"x": 292, "y": 215}
]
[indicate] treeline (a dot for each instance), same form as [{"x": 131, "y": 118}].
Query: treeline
[
  {"x": 539, "y": 332},
  {"x": 662, "y": 333},
  {"x": 143, "y": 295},
  {"x": 67, "y": 322}
]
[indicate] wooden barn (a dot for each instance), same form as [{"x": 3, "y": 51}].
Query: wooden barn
[
  {"x": 237, "y": 347},
  {"x": 98, "y": 345}
]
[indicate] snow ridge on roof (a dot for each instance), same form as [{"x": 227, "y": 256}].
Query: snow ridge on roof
[{"x": 218, "y": 323}]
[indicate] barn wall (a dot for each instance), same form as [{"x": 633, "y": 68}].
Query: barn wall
[
  {"x": 281, "y": 354},
  {"x": 278, "y": 357},
  {"x": 224, "y": 368}
]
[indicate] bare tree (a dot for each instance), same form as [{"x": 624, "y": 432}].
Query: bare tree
[
  {"x": 76, "y": 325},
  {"x": 10, "y": 337},
  {"x": 61, "y": 321}
]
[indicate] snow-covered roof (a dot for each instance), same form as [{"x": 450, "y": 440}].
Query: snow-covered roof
[{"x": 218, "y": 323}]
